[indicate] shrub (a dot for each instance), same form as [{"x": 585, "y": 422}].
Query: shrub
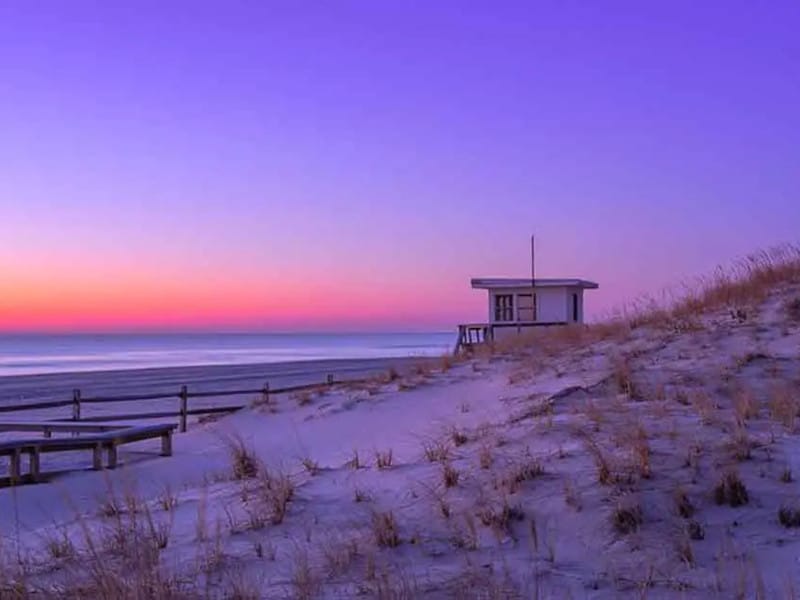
[
  {"x": 311, "y": 466},
  {"x": 530, "y": 469},
  {"x": 459, "y": 437},
  {"x": 244, "y": 463},
  {"x": 783, "y": 405},
  {"x": 789, "y": 515},
  {"x": 383, "y": 460},
  {"x": 623, "y": 376},
  {"x": 627, "y": 516},
  {"x": 793, "y": 309},
  {"x": 499, "y": 518},
  {"x": 274, "y": 493},
  {"x": 355, "y": 462},
  {"x": 384, "y": 528},
  {"x": 740, "y": 444},
  {"x": 466, "y": 538},
  {"x": 450, "y": 475},
  {"x": 60, "y": 546},
  {"x": 683, "y": 547},
  {"x": 602, "y": 464},
  {"x": 695, "y": 530},
  {"x": 704, "y": 405},
  {"x": 437, "y": 451},
  {"x": 485, "y": 457},
  {"x": 731, "y": 490},
  {"x": 572, "y": 496},
  {"x": 683, "y": 505},
  {"x": 745, "y": 406},
  {"x": 303, "y": 398},
  {"x": 168, "y": 500},
  {"x": 360, "y": 495},
  {"x": 641, "y": 453}
]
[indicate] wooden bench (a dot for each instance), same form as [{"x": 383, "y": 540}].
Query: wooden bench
[
  {"x": 50, "y": 427},
  {"x": 96, "y": 443}
]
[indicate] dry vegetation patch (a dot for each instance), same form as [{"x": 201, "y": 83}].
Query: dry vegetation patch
[
  {"x": 384, "y": 528},
  {"x": 789, "y": 515},
  {"x": 731, "y": 490},
  {"x": 792, "y": 308},
  {"x": 627, "y": 515},
  {"x": 244, "y": 463},
  {"x": 384, "y": 459}
]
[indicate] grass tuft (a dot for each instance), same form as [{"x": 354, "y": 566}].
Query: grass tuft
[
  {"x": 436, "y": 451},
  {"x": 792, "y": 308},
  {"x": 384, "y": 528},
  {"x": 383, "y": 460},
  {"x": 683, "y": 505},
  {"x": 354, "y": 462},
  {"x": 623, "y": 376},
  {"x": 627, "y": 515},
  {"x": 244, "y": 464},
  {"x": 731, "y": 490},
  {"x": 450, "y": 475},
  {"x": 459, "y": 437},
  {"x": 789, "y": 515}
]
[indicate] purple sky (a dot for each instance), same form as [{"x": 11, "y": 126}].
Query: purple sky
[{"x": 352, "y": 164}]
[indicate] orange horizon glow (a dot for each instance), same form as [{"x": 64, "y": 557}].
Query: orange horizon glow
[{"x": 147, "y": 302}]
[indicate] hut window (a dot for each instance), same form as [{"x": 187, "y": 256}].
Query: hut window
[{"x": 504, "y": 307}]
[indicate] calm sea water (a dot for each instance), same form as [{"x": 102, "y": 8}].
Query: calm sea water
[{"x": 31, "y": 354}]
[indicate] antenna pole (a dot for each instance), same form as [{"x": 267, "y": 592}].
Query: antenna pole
[{"x": 533, "y": 262}]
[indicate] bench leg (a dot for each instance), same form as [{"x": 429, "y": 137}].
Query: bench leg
[
  {"x": 112, "y": 456},
  {"x": 97, "y": 458},
  {"x": 34, "y": 464},
  {"x": 166, "y": 444},
  {"x": 14, "y": 460}
]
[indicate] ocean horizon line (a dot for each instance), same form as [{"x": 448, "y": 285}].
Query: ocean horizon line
[
  {"x": 62, "y": 353},
  {"x": 189, "y": 332}
]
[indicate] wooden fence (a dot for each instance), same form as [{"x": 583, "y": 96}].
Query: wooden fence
[{"x": 183, "y": 395}]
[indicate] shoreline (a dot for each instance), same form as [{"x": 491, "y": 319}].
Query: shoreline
[{"x": 40, "y": 387}]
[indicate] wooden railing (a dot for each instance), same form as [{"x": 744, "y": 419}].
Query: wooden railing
[
  {"x": 183, "y": 395},
  {"x": 471, "y": 335}
]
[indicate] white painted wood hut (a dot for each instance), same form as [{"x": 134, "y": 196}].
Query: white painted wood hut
[{"x": 519, "y": 305}]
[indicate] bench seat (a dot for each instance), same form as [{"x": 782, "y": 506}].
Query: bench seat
[
  {"x": 98, "y": 442},
  {"x": 50, "y": 427}
]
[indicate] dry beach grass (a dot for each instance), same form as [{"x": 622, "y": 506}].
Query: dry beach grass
[{"x": 647, "y": 456}]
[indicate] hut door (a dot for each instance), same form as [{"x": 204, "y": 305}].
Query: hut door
[
  {"x": 526, "y": 305},
  {"x": 575, "y": 307}
]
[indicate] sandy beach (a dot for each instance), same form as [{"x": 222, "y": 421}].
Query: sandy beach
[
  {"x": 25, "y": 389},
  {"x": 651, "y": 457}
]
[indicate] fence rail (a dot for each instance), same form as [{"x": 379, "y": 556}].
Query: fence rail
[{"x": 183, "y": 395}]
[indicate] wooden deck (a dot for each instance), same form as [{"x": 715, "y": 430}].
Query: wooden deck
[{"x": 471, "y": 335}]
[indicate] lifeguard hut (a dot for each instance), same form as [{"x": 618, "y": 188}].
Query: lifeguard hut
[{"x": 518, "y": 305}]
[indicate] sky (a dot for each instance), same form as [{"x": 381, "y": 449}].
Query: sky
[{"x": 342, "y": 165}]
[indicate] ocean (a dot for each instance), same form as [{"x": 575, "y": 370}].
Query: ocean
[{"x": 36, "y": 354}]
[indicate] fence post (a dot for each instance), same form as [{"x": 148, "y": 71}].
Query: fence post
[
  {"x": 184, "y": 401},
  {"x": 76, "y": 405},
  {"x": 265, "y": 393},
  {"x": 330, "y": 379}
]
